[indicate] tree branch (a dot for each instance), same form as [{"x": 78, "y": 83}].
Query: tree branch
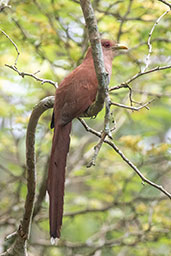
[
  {"x": 102, "y": 75},
  {"x": 19, "y": 248},
  {"x": 23, "y": 74},
  {"x": 117, "y": 150},
  {"x": 38, "y": 110},
  {"x": 4, "y": 4},
  {"x": 149, "y": 40},
  {"x": 18, "y": 53},
  {"x": 125, "y": 84},
  {"x": 42, "y": 190},
  {"x": 165, "y": 2},
  {"x": 131, "y": 107}
]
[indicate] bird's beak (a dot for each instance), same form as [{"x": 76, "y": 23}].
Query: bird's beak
[{"x": 119, "y": 47}]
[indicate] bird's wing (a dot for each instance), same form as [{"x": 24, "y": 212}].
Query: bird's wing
[{"x": 77, "y": 95}]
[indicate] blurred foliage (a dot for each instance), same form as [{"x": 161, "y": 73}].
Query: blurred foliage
[{"x": 107, "y": 209}]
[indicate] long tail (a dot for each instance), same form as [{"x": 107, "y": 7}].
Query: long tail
[{"x": 56, "y": 176}]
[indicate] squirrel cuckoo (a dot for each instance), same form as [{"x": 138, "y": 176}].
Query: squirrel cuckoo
[{"x": 73, "y": 97}]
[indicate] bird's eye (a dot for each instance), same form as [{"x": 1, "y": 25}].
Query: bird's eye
[{"x": 106, "y": 44}]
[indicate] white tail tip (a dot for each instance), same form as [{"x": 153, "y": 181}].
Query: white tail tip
[{"x": 54, "y": 241}]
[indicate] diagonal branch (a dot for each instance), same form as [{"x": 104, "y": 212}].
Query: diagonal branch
[
  {"x": 117, "y": 150},
  {"x": 16, "y": 48},
  {"x": 165, "y": 2},
  {"x": 125, "y": 84},
  {"x": 143, "y": 178}
]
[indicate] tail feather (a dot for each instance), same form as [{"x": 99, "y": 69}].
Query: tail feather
[{"x": 56, "y": 176}]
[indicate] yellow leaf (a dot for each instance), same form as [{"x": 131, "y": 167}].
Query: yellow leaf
[
  {"x": 157, "y": 150},
  {"x": 131, "y": 141}
]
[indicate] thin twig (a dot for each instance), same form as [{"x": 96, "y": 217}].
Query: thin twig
[
  {"x": 4, "y": 5},
  {"x": 88, "y": 129},
  {"x": 131, "y": 107},
  {"x": 165, "y": 2},
  {"x": 125, "y": 84},
  {"x": 117, "y": 150},
  {"x": 23, "y": 74},
  {"x": 107, "y": 115},
  {"x": 144, "y": 179},
  {"x": 13, "y": 67},
  {"x": 130, "y": 95},
  {"x": 123, "y": 19},
  {"x": 96, "y": 150},
  {"x": 18, "y": 53},
  {"x": 106, "y": 131},
  {"x": 149, "y": 40}
]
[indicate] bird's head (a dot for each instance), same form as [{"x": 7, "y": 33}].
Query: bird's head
[{"x": 110, "y": 48}]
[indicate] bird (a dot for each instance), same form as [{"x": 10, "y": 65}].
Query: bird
[{"x": 73, "y": 97}]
